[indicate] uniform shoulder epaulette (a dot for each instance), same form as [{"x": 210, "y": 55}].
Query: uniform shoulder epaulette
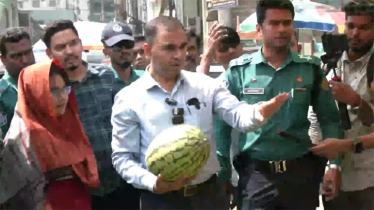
[
  {"x": 309, "y": 59},
  {"x": 242, "y": 60},
  {"x": 3, "y": 86}
]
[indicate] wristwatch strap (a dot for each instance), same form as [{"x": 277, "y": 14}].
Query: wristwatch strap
[{"x": 334, "y": 166}]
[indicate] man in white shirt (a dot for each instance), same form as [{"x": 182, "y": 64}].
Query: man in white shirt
[{"x": 141, "y": 111}]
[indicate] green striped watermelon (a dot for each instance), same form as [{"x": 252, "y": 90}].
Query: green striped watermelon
[{"x": 179, "y": 150}]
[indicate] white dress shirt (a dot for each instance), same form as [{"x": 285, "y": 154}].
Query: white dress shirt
[{"x": 140, "y": 113}]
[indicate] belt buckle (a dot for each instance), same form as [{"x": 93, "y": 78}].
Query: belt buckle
[
  {"x": 188, "y": 191},
  {"x": 278, "y": 166}
]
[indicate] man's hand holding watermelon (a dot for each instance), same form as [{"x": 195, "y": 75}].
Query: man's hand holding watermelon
[
  {"x": 269, "y": 108},
  {"x": 163, "y": 186}
]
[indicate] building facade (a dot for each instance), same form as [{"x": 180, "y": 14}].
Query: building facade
[
  {"x": 46, "y": 11},
  {"x": 101, "y": 10},
  {"x": 8, "y": 14}
]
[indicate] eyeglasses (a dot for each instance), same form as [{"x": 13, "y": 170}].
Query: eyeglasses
[
  {"x": 127, "y": 44},
  {"x": 178, "y": 113},
  {"x": 57, "y": 92}
]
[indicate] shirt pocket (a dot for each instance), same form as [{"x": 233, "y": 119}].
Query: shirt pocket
[
  {"x": 301, "y": 96},
  {"x": 200, "y": 116}
]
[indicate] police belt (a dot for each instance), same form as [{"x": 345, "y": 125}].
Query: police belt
[
  {"x": 308, "y": 165},
  {"x": 192, "y": 190}
]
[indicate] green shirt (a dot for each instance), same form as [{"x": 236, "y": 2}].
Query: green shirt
[
  {"x": 8, "y": 101},
  {"x": 119, "y": 83},
  {"x": 251, "y": 79}
]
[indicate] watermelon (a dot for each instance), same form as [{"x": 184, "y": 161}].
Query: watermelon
[{"x": 177, "y": 151}]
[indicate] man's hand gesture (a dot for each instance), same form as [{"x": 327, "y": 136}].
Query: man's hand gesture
[
  {"x": 163, "y": 186},
  {"x": 216, "y": 34},
  {"x": 269, "y": 108}
]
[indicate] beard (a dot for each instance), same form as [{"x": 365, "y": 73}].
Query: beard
[
  {"x": 362, "y": 50},
  {"x": 72, "y": 68},
  {"x": 122, "y": 65}
]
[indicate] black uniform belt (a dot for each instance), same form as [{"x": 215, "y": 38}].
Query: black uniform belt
[
  {"x": 296, "y": 165},
  {"x": 191, "y": 190}
]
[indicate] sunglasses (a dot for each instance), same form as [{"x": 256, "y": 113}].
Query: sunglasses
[
  {"x": 178, "y": 113},
  {"x": 127, "y": 44}
]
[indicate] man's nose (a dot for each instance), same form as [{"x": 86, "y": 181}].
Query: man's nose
[
  {"x": 179, "y": 54},
  {"x": 355, "y": 32},
  {"x": 68, "y": 50}
]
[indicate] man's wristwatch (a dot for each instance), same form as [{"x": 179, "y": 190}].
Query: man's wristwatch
[
  {"x": 357, "y": 145},
  {"x": 336, "y": 167}
]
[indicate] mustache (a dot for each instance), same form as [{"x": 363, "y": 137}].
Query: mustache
[{"x": 70, "y": 57}]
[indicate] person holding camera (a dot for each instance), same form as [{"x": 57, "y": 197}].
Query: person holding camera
[{"x": 355, "y": 69}]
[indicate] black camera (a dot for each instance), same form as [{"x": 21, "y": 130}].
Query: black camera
[{"x": 334, "y": 46}]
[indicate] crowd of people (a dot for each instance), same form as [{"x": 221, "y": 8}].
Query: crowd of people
[{"x": 75, "y": 134}]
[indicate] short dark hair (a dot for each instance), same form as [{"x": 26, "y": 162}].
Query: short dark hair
[
  {"x": 139, "y": 38},
  {"x": 191, "y": 34},
  {"x": 364, "y": 8},
  {"x": 56, "y": 70},
  {"x": 151, "y": 28},
  {"x": 13, "y": 35},
  {"x": 232, "y": 36},
  {"x": 264, "y": 5},
  {"x": 55, "y": 27}
]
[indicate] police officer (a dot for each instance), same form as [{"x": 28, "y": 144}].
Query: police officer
[
  {"x": 16, "y": 54},
  {"x": 276, "y": 171}
]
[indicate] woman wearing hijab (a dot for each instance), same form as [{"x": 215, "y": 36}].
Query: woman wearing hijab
[{"x": 47, "y": 161}]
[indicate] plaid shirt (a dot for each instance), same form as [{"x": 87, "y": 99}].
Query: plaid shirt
[{"x": 95, "y": 99}]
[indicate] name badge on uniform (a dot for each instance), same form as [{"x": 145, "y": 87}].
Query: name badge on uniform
[{"x": 253, "y": 91}]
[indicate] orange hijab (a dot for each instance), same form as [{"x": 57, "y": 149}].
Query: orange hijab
[{"x": 59, "y": 141}]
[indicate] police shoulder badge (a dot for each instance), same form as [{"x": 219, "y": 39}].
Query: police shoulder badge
[
  {"x": 325, "y": 84},
  {"x": 3, "y": 118}
]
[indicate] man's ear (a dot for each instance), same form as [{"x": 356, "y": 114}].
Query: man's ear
[
  {"x": 258, "y": 29},
  {"x": 105, "y": 52},
  {"x": 2, "y": 59},
  {"x": 48, "y": 53}
]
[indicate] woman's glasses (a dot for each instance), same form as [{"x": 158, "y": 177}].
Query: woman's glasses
[{"x": 57, "y": 92}]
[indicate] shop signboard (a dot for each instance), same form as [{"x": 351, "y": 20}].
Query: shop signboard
[{"x": 220, "y": 4}]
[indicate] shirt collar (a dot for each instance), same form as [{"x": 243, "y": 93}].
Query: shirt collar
[
  {"x": 132, "y": 74},
  {"x": 150, "y": 82},
  {"x": 258, "y": 57},
  {"x": 13, "y": 81},
  {"x": 92, "y": 70}
]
